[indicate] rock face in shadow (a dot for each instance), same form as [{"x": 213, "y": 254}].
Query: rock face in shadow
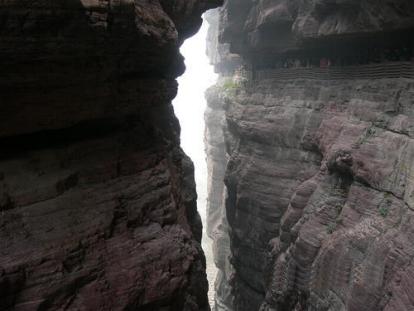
[
  {"x": 318, "y": 180},
  {"x": 97, "y": 200},
  {"x": 277, "y": 25}
]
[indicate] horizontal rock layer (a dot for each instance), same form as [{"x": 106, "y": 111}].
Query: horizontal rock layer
[
  {"x": 97, "y": 200},
  {"x": 267, "y": 27},
  {"x": 319, "y": 161},
  {"x": 217, "y": 225},
  {"x": 320, "y": 194}
]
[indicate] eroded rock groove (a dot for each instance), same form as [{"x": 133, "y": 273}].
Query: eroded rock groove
[{"x": 315, "y": 154}]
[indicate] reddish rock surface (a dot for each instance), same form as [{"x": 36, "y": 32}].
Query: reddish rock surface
[
  {"x": 97, "y": 200},
  {"x": 318, "y": 177}
]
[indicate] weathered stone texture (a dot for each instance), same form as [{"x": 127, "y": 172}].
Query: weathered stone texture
[
  {"x": 217, "y": 225},
  {"x": 97, "y": 200},
  {"x": 274, "y": 26},
  {"x": 319, "y": 168},
  {"x": 319, "y": 183}
]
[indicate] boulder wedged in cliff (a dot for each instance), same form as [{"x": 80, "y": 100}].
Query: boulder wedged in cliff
[{"x": 97, "y": 200}]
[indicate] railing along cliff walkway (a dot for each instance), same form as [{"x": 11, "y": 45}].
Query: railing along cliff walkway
[{"x": 371, "y": 71}]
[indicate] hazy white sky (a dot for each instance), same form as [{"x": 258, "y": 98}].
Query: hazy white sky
[{"x": 189, "y": 106}]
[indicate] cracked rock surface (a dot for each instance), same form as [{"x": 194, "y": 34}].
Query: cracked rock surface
[
  {"x": 97, "y": 200},
  {"x": 317, "y": 210}
]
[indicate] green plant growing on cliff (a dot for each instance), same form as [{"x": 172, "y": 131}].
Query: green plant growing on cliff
[
  {"x": 230, "y": 86},
  {"x": 384, "y": 211},
  {"x": 331, "y": 228},
  {"x": 369, "y": 132},
  {"x": 339, "y": 221}
]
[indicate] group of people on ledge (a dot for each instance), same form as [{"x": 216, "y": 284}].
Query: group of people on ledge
[{"x": 369, "y": 56}]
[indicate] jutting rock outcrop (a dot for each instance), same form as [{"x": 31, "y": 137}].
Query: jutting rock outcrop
[
  {"x": 97, "y": 200},
  {"x": 318, "y": 128}
]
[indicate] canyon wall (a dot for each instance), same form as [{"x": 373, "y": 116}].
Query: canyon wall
[
  {"x": 97, "y": 200},
  {"x": 316, "y": 210}
]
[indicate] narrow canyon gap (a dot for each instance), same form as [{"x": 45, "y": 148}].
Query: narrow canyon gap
[
  {"x": 97, "y": 199},
  {"x": 310, "y": 155},
  {"x": 189, "y": 107}
]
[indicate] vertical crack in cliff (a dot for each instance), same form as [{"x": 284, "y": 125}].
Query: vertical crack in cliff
[{"x": 189, "y": 107}]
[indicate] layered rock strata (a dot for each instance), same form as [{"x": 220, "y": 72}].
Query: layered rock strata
[
  {"x": 97, "y": 200},
  {"x": 217, "y": 226},
  {"x": 319, "y": 163}
]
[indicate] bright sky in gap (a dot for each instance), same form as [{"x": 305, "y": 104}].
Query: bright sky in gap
[{"x": 189, "y": 106}]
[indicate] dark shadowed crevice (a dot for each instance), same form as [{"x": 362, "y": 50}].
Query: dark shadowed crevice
[{"x": 189, "y": 106}]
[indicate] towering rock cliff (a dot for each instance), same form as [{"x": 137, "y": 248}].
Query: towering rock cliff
[
  {"x": 97, "y": 200},
  {"x": 217, "y": 226},
  {"x": 316, "y": 151}
]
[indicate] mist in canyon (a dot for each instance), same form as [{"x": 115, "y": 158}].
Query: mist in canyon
[
  {"x": 189, "y": 106},
  {"x": 290, "y": 145}
]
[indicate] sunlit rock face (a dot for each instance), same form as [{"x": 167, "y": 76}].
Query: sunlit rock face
[
  {"x": 97, "y": 200},
  {"x": 318, "y": 184}
]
